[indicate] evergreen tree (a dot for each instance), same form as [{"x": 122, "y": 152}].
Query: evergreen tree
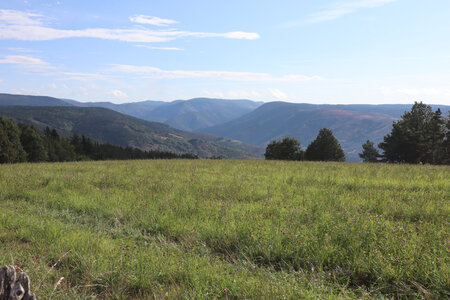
[
  {"x": 76, "y": 143},
  {"x": 286, "y": 149},
  {"x": 369, "y": 154},
  {"x": 436, "y": 132},
  {"x": 65, "y": 150},
  {"x": 87, "y": 146},
  {"x": 446, "y": 143},
  {"x": 33, "y": 143},
  {"x": 417, "y": 138},
  {"x": 325, "y": 148},
  {"x": 6, "y": 147},
  {"x": 59, "y": 149},
  {"x": 51, "y": 147},
  {"x": 11, "y": 150}
]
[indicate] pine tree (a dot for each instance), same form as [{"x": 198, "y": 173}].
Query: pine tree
[
  {"x": 417, "y": 138},
  {"x": 286, "y": 149},
  {"x": 436, "y": 135},
  {"x": 369, "y": 154},
  {"x": 33, "y": 143},
  {"x": 6, "y": 147},
  {"x": 446, "y": 143},
  {"x": 11, "y": 150},
  {"x": 325, "y": 148}
]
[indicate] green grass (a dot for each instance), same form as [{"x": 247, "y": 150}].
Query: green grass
[{"x": 227, "y": 229}]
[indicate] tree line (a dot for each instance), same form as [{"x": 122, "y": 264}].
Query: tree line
[
  {"x": 24, "y": 143},
  {"x": 324, "y": 148},
  {"x": 420, "y": 136}
]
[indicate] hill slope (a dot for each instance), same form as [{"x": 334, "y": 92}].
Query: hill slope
[
  {"x": 201, "y": 112},
  {"x": 9, "y": 99},
  {"x": 351, "y": 124},
  {"x": 182, "y": 114},
  {"x": 136, "y": 109},
  {"x": 189, "y": 115},
  {"x": 109, "y": 126}
]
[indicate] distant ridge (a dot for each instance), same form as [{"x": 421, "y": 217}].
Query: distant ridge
[
  {"x": 10, "y": 99},
  {"x": 351, "y": 124},
  {"x": 189, "y": 114},
  {"x": 106, "y": 125},
  {"x": 247, "y": 125}
]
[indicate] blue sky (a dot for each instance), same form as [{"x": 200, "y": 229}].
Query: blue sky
[{"x": 321, "y": 51}]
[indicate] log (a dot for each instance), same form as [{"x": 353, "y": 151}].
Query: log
[{"x": 14, "y": 288}]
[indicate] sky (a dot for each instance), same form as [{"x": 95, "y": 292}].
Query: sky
[{"x": 305, "y": 51}]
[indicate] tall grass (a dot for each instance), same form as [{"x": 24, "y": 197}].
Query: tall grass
[{"x": 226, "y": 229}]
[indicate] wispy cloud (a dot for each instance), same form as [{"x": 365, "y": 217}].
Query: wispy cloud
[
  {"x": 14, "y": 17},
  {"x": 30, "y": 64},
  {"x": 22, "y": 50},
  {"x": 158, "y": 73},
  {"x": 278, "y": 94},
  {"x": 342, "y": 9},
  {"x": 82, "y": 76},
  {"x": 150, "y": 20},
  {"x": 214, "y": 94},
  {"x": 26, "y": 26},
  {"x": 118, "y": 94},
  {"x": 160, "y": 48},
  {"x": 416, "y": 92},
  {"x": 239, "y": 94},
  {"x": 25, "y": 91},
  {"x": 233, "y": 94}
]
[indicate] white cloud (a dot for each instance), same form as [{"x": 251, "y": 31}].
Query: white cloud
[
  {"x": 28, "y": 63},
  {"x": 118, "y": 94},
  {"x": 1, "y": 80},
  {"x": 82, "y": 76},
  {"x": 158, "y": 73},
  {"x": 416, "y": 92},
  {"x": 23, "y": 50},
  {"x": 15, "y": 17},
  {"x": 160, "y": 48},
  {"x": 20, "y": 25},
  {"x": 37, "y": 65},
  {"x": 25, "y": 91},
  {"x": 278, "y": 94},
  {"x": 243, "y": 94},
  {"x": 215, "y": 94},
  {"x": 141, "y": 19},
  {"x": 22, "y": 60},
  {"x": 344, "y": 8}
]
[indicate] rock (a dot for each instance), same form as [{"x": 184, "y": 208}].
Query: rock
[{"x": 12, "y": 288}]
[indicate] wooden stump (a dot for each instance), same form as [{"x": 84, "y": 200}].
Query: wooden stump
[{"x": 12, "y": 288}]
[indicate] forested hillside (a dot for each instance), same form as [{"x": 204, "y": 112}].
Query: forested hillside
[{"x": 109, "y": 126}]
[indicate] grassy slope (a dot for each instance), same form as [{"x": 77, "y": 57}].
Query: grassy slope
[{"x": 204, "y": 229}]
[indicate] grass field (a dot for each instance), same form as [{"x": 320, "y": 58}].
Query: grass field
[{"x": 227, "y": 229}]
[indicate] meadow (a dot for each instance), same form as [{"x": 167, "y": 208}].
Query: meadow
[{"x": 223, "y": 229}]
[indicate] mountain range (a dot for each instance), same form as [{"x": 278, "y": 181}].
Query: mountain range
[
  {"x": 238, "y": 128},
  {"x": 188, "y": 115},
  {"x": 352, "y": 125},
  {"x": 106, "y": 125}
]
